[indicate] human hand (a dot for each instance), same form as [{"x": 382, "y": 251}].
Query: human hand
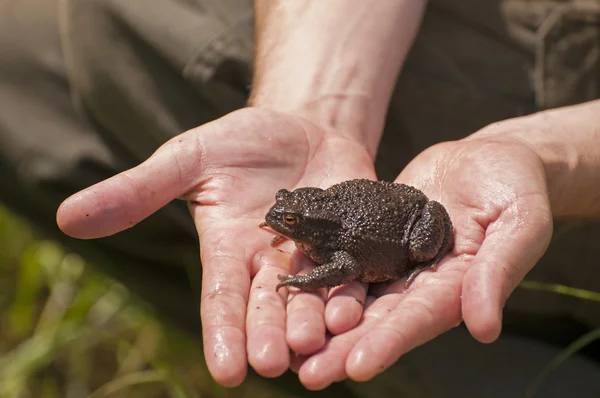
[
  {"x": 229, "y": 170},
  {"x": 494, "y": 187}
]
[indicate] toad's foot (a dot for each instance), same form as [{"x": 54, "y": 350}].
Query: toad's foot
[
  {"x": 297, "y": 281},
  {"x": 277, "y": 239},
  {"x": 342, "y": 269},
  {"x": 413, "y": 275}
]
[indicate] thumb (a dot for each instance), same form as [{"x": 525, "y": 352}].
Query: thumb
[
  {"x": 127, "y": 198},
  {"x": 511, "y": 247}
]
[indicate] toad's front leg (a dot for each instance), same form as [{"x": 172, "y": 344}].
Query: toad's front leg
[{"x": 342, "y": 268}]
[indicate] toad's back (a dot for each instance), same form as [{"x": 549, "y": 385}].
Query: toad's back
[
  {"x": 376, "y": 216},
  {"x": 376, "y": 209}
]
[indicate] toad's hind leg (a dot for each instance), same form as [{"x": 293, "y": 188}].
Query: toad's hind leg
[
  {"x": 342, "y": 268},
  {"x": 431, "y": 238}
]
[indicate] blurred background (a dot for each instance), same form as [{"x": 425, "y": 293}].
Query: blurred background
[{"x": 69, "y": 332}]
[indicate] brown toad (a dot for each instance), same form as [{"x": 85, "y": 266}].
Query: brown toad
[{"x": 370, "y": 231}]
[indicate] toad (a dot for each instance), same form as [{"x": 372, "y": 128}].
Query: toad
[{"x": 370, "y": 231}]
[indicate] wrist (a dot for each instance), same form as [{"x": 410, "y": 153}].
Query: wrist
[
  {"x": 562, "y": 167},
  {"x": 566, "y": 140},
  {"x": 333, "y": 64},
  {"x": 343, "y": 114}
]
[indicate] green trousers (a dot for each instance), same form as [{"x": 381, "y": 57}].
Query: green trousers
[{"x": 89, "y": 88}]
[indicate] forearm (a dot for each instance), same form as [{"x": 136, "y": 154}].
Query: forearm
[{"x": 335, "y": 61}]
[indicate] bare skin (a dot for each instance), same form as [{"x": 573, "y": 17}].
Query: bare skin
[
  {"x": 503, "y": 226},
  {"x": 333, "y": 107},
  {"x": 228, "y": 198},
  {"x": 344, "y": 86},
  {"x": 330, "y": 117}
]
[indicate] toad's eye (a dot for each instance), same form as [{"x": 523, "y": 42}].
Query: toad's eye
[{"x": 290, "y": 219}]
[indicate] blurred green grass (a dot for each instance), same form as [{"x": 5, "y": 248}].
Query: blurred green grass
[{"x": 67, "y": 331}]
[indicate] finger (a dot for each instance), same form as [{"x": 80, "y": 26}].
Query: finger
[
  {"x": 512, "y": 246},
  {"x": 430, "y": 307},
  {"x": 224, "y": 296},
  {"x": 296, "y": 361},
  {"x": 305, "y": 315},
  {"x": 223, "y": 312},
  {"x": 344, "y": 307},
  {"x": 124, "y": 200},
  {"x": 329, "y": 364},
  {"x": 268, "y": 352},
  {"x": 318, "y": 373},
  {"x": 283, "y": 252}
]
